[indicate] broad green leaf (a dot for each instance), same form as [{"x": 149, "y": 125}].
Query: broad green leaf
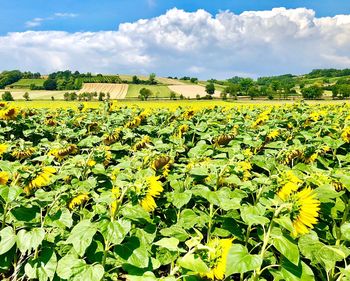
[
  {"x": 175, "y": 231},
  {"x": 114, "y": 231},
  {"x": 133, "y": 252},
  {"x": 285, "y": 246},
  {"x": 81, "y": 236},
  {"x": 169, "y": 243},
  {"x": 42, "y": 268},
  {"x": 28, "y": 240},
  {"x": 8, "y": 239},
  {"x": 180, "y": 199},
  {"x": 194, "y": 264},
  {"x": 345, "y": 231},
  {"x": 240, "y": 261},
  {"x": 253, "y": 215},
  {"x": 88, "y": 272}
]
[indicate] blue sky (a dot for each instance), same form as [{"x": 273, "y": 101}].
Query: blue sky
[
  {"x": 92, "y": 15},
  {"x": 195, "y": 38}
]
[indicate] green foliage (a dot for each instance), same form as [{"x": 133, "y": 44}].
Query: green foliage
[
  {"x": 210, "y": 89},
  {"x": 145, "y": 94},
  {"x": 216, "y": 175},
  {"x": 312, "y": 92},
  {"x": 7, "y": 96}
]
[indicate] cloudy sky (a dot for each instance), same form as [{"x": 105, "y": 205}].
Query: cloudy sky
[{"x": 197, "y": 38}]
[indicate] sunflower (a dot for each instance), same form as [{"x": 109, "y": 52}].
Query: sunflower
[
  {"x": 307, "y": 207},
  {"x": 109, "y": 139},
  {"x": 346, "y": 135},
  {"x": 244, "y": 169},
  {"x": 290, "y": 183},
  {"x": 78, "y": 200},
  {"x": 162, "y": 164},
  {"x": 3, "y": 148},
  {"x": 9, "y": 113},
  {"x": 262, "y": 118},
  {"x": 142, "y": 143},
  {"x": 134, "y": 123},
  {"x": 43, "y": 178},
  {"x": 22, "y": 153},
  {"x": 154, "y": 188},
  {"x": 182, "y": 129},
  {"x": 223, "y": 139},
  {"x": 4, "y": 177},
  {"x": 217, "y": 257},
  {"x": 3, "y": 104},
  {"x": 61, "y": 153},
  {"x": 272, "y": 135}
]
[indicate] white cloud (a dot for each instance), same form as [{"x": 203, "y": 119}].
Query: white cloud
[
  {"x": 38, "y": 21},
  {"x": 181, "y": 43}
]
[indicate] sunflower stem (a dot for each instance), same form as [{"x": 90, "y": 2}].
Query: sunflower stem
[{"x": 4, "y": 218}]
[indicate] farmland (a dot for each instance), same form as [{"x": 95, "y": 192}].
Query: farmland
[
  {"x": 158, "y": 91},
  {"x": 191, "y": 91},
  {"x": 241, "y": 191},
  {"x": 116, "y": 91},
  {"x": 26, "y": 83}
]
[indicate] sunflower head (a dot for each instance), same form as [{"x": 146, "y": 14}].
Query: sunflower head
[
  {"x": 346, "y": 135},
  {"x": 40, "y": 178},
  {"x": 78, "y": 200},
  {"x": 152, "y": 190},
  {"x": 63, "y": 152},
  {"x": 216, "y": 257},
  {"x": 3, "y": 148},
  {"x": 4, "y": 177},
  {"x": 305, "y": 211},
  {"x": 9, "y": 113},
  {"x": 23, "y": 152}
]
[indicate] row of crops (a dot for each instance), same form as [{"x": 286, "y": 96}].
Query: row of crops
[{"x": 123, "y": 193}]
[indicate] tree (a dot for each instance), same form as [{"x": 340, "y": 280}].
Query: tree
[
  {"x": 253, "y": 92},
  {"x": 245, "y": 84},
  {"x": 210, "y": 89},
  {"x": 172, "y": 95},
  {"x": 312, "y": 92},
  {"x": 135, "y": 80},
  {"x": 101, "y": 96},
  {"x": 233, "y": 90},
  {"x": 50, "y": 84},
  {"x": 66, "y": 96},
  {"x": 194, "y": 80},
  {"x": 6, "y": 96},
  {"x": 26, "y": 96},
  {"x": 145, "y": 94},
  {"x": 152, "y": 79}
]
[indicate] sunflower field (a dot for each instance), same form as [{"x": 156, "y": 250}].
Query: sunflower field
[{"x": 222, "y": 193}]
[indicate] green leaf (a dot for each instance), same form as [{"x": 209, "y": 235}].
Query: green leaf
[
  {"x": 88, "y": 272},
  {"x": 253, "y": 215},
  {"x": 133, "y": 252},
  {"x": 147, "y": 276},
  {"x": 69, "y": 264},
  {"x": 292, "y": 272},
  {"x": 28, "y": 240},
  {"x": 345, "y": 231},
  {"x": 114, "y": 231},
  {"x": 81, "y": 236},
  {"x": 42, "y": 268},
  {"x": 240, "y": 261},
  {"x": 175, "y": 231},
  {"x": 168, "y": 243},
  {"x": 8, "y": 239},
  {"x": 180, "y": 199},
  {"x": 194, "y": 264},
  {"x": 285, "y": 246}
]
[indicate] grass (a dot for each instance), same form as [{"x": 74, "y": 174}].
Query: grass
[
  {"x": 158, "y": 91},
  {"x": 25, "y": 83}
]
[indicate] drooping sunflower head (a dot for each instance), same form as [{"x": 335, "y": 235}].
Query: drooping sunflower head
[
  {"x": 4, "y": 177},
  {"x": 101, "y": 155},
  {"x": 9, "y": 113},
  {"x": 346, "y": 135},
  {"x": 162, "y": 164},
  {"x": 134, "y": 123},
  {"x": 152, "y": 190},
  {"x": 182, "y": 129},
  {"x": 216, "y": 257},
  {"x": 78, "y": 200},
  {"x": 39, "y": 178},
  {"x": 290, "y": 183},
  {"x": 305, "y": 211},
  {"x": 23, "y": 152},
  {"x": 3, "y": 148},
  {"x": 63, "y": 152},
  {"x": 223, "y": 139},
  {"x": 111, "y": 138},
  {"x": 142, "y": 143}
]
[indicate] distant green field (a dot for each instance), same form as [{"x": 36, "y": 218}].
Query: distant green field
[
  {"x": 158, "y": 91},
  {"x": 25, "y": 83}
]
